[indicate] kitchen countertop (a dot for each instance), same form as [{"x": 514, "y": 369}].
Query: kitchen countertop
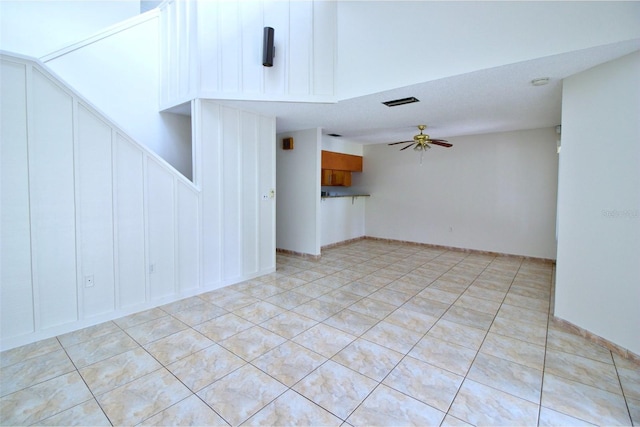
[{"x": 335, "y": 196}]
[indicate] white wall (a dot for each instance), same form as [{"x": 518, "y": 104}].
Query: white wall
[
  {"x": 342, "y": 218},
  {"x": 493, "y": 192},
  {"x": 427, "y": 40},
  {"x": 598, "y": 279},
  {"x": 214, "y": 49},
  {"x": 119, "y": 73},
  {"x": 81, "y": 199},
  {"x": 298, "y": 183},
  {"x": 36, "y": 28},
  {"x": 341, "y": 145}
]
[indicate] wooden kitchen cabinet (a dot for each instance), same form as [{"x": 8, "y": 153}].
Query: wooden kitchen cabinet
[
  {"x": 337, "y": 168},
  {"x": 341, "y": 162},
  {"x": 335, "y": 178}
]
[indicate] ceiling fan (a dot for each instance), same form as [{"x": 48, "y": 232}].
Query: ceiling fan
[{"x": 422, "y": 141}]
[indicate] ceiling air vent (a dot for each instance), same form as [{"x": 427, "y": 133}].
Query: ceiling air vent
[{"x": 402, "y": 101}]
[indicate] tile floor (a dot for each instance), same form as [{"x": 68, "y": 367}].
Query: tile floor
[{"x": 373, "y": 333}]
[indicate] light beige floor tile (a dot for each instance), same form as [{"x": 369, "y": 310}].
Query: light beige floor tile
[
  {"x": 141, "y": 317},
  {"x": 241, "y": 394},
  {"x": 199, "y": 313},
  {"x": 84, "y": 414},
  {"x": 361, "y": 288},
  {"x": 252, "y": 342},
  {"x": 205, "y": 367},
  {"x": 468, "y": 317},
  {"x": 154, "y": 330},
  {"x": 513, "y": 378},
  {"x": 484, "y": 293},
  {"x": 411, "y": 320},
  {"x": 574, "y": 344},
  {"x": 100, "y": 348},
  {"x": 118, "y": 370},
  {"x": 526, "y": 290},
  {"x": 181, "y": 305},
  {"x": 390, "y": 296},
  {"x": 291, "y": 409},
  {"x": 324, "y": 339},
  {"x": 340, "y": 298},
  {"x": 520, "y": 314},
  {"x": 427, "y": 383},
  {"x": 313, "y": 290},
  {"x": 388, "y": 407},
  {"x": 451, "y": 421},
  {"x": 262, "y": 290},
  {"x": 20, "y": 354},
  {"x": 393, "y": 336},
  {"x": 439, "y": 295},
  {"x": 289, "y": 299},
  {"x": 493, "y": 283},
  {"x": 289, "y": 324},
  {"x": 139, "y": 399},
  {"x": 331, "y": 282},
  {"x": 231, "y": 301},
  {"x": 350, "y": 321},
  {"x": 43, "y": 400},
  {"x": 581, "y": 401},
  {"x": 452, "y": 357},
  {"x": 410, "y": 284},
  {"x": 426, "y": 306},
  {"x": 514, "y": 350},
  {"x": 583, "y": 370},
  {"x": 373, "y": 308},
  {"x": 478, "y": 304},
  {"x": 223, "y": 327},
  {"x": 368, "y": 358},
  {"x": 376, "y": 279},
  {"x": 337, "y": 389},
  {"x": 287, "y": 282},
  {"x": 308, "y": 275},
  {"x": 478, "y": 404},
  {"x": 259, "y": 312},
  {"x": 87, "y": 334},
  {"x": 465, "y": 336},
  {"x": 34, "y": 370},
  {"x": 634, "y": 410},
  {"x": 529, "y": 332},
  {"x": 447, "y": 286},
  {"x": 188, "y": 412},
  {"x": 178, "y": 345},
  {"x": 629, "y": 374},
  {"x": 551, "y": 418},
  {"x": 317, "y": 309},
  {"x": 350, "y": 274},
  {"x": 289, "y": 362},
  {"x": 541, "y": 305}
]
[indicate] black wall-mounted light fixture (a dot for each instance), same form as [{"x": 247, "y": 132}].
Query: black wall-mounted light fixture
[{"x": 268, "y": 48}]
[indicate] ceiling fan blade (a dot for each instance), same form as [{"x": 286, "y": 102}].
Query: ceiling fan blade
[
  {"x": 401, "y": 142},
  {"x": 410, "y": 145},
  {"x": 440, "y": 143}
]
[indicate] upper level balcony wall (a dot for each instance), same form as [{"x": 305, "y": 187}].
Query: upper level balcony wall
[{"x": 214, "y": 50}]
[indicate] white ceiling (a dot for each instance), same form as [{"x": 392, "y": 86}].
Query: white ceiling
[{"x": 493, "y": 100}]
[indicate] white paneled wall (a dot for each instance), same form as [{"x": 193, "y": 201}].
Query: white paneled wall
[
  {"x": 95, "y": 226},
  {"x": 236, "y": 170},
  {"x": 16, "y": 292},
  {"x": 222, "y": 42}
]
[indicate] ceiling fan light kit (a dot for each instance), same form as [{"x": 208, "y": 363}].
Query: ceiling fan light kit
[{"x": 422, "y": 142}]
